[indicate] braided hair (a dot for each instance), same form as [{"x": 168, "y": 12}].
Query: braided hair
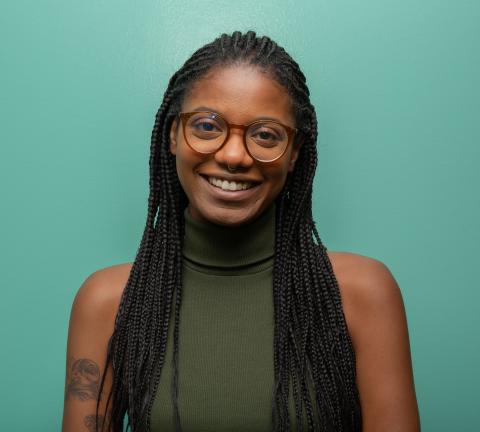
[{"x": 312, "y": 347}]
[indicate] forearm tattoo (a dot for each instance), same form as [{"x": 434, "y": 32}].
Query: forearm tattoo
[
  {"x": 83, "y": 380},
  {"x": 94, "y": 423}
]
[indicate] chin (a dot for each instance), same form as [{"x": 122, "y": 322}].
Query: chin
[{"x": 229, "y": 216}]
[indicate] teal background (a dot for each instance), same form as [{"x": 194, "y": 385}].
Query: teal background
[{"x": 396, "y": 88}]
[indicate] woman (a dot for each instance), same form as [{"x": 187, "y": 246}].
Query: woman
[{"x": 234, "y": 316}]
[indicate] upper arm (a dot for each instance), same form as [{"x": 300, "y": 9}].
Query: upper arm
[
  {"x": 377, "y": 324},
  {"x": 91, "y": 325}
]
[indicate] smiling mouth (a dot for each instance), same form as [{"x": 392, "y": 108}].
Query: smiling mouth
[{"x": 227, "y": 185}]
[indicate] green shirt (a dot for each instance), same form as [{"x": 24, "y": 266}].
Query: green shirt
[{"x": 226, "y": 331}]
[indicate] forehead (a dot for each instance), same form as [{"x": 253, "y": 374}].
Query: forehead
[{"x": 241, "y": 93}]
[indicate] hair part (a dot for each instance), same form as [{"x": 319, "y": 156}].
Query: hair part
[{"x": 312, "y": 346}]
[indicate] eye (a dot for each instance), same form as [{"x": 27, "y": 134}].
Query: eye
[
  {"x": 265, "y": 135},
  {"x": 205, "y": 125}
]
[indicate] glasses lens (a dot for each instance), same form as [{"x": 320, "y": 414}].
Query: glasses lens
[
  {"x": 205, "y": 131},
  {"x": 266, "y": 140}
]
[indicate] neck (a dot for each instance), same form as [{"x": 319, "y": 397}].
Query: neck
[{"x": 214, "y": 245}]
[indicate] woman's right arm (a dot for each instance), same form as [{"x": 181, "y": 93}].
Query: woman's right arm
[{"x": 91, "y": 325}]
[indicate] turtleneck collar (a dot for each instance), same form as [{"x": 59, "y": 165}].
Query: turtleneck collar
[{"x": 208, "y": 244}]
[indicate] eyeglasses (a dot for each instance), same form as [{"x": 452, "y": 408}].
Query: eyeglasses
[{"x": 206, "y": 132}]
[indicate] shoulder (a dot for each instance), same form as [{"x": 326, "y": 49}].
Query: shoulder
[
  {"x": 353, "y": 260},
  {"x": 376, "y": 320},
  {"x": 368, "y": 290},
  {"x": 100, "y": 293},
  {"x": 91, "y": 325},
  {"x": 361, "y": 276}
]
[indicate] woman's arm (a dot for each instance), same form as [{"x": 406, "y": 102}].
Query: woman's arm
[
  {"x": 377, "y": 323},
  {"x": 91, "y": 325}
]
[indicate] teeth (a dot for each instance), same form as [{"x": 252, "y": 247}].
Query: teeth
[{"x": 230, "y": 186}]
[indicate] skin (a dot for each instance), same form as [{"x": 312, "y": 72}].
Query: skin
[
  {"x": 371, "y": 299},
  {"x": 241, "y": 94}
]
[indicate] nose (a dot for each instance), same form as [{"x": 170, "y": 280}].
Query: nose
[{"x": 233, "y": 153}]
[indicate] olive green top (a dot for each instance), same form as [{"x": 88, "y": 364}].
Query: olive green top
[{"x": 225, "y": 374}]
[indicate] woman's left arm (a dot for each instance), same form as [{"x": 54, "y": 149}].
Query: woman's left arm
[{"x": 377, "y": 324}]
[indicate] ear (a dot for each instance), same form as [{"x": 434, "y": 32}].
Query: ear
[
  {"x": 297, "y": 145},
  {"x": 173, "y": 136}
]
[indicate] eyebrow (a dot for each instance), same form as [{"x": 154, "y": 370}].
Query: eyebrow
[{"x": 205, "y": 108}]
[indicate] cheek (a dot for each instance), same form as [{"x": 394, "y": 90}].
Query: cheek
[
  {"x": 186, "y": 162},
  {"x": 182, "y": 164},
  {"x": 277, "y": 175}
]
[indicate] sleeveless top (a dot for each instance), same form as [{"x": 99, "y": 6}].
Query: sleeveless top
[{"x": 226, "y": 330}]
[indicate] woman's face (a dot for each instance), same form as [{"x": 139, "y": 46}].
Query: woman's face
[{"x": 241, "y": 94}]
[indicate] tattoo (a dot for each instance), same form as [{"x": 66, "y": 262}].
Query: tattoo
[
  {"x": 94, "y": 423},
  {"x": 83, "y": 380}
]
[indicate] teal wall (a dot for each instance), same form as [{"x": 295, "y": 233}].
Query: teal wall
[{"x": 396, "y": 86}]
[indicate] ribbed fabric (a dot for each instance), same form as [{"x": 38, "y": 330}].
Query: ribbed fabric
[
  {"x": 226, "y": 329},
  {"x": 211, "y": 245}
]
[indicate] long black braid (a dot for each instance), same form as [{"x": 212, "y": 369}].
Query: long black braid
[{"x": 312, "y": 348}]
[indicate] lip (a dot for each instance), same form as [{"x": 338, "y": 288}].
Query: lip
[
  {"x": 229, "y": 177},
  {"x": 229, "y": 195}
]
